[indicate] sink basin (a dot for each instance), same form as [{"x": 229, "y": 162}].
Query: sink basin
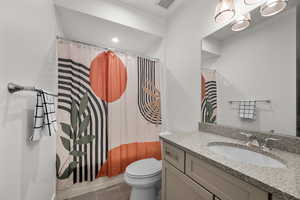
[{"x": 246, "y": 154}]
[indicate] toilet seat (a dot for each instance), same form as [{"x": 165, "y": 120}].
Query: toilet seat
[{"x": 144, "y": 169}]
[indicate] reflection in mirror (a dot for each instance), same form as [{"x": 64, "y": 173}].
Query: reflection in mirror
[{"x": 248, "y": 78}]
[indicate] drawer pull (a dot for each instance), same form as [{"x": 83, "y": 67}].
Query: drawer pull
[{"x": 175, "y": 157}]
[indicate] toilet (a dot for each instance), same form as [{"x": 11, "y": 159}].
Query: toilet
[{"x": 144, "y": 177}]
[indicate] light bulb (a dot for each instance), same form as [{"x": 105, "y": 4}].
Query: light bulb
[
  {"x": 224, "y": 11},
  {"x": 272, "y": 7},
  {"x": 241, "y": 23},
  {"x": 251, "y": 2}
]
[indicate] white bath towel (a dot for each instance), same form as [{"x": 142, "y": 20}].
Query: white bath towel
[{"x": 44, "y": 116}]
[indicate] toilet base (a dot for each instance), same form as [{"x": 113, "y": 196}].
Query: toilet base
[{"x": 143, "y": 194}]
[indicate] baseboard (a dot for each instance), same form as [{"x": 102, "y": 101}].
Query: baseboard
[{"x": 83, "y": 188}]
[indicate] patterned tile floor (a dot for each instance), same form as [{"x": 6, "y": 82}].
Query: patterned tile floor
[{"x": 118, "y": 192}]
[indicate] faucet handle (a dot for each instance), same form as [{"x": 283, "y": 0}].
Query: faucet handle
[
  {"x": 248, "y": 135},
  {"x": 267, "y": 140},
  {"x": 250, "y": 138},
  {"x": 271, "y": 139}
]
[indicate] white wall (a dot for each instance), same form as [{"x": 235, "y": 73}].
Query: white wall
[
  {"x": 183, "y": 62},
  {"x": 27, "y": 56},
  {"x": 260, "y": 63}
]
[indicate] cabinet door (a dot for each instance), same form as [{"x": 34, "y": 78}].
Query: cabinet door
[
  {"x": 176, "y": 186},
  {"x": 220, "y": 183},
  {"x": 174, "y": 156}
]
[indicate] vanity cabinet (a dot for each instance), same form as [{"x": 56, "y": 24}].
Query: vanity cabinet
[
  {"x": 221, "y": 184},
  {"x": 177, "y": 186},
  {"x": 175, "y": 156},
  {"x": 186, "y": 177}
]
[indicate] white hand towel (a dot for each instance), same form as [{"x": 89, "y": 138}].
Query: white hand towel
[
  {"x": 247, "y": 110},
  {"x": 44, "y": 116}
]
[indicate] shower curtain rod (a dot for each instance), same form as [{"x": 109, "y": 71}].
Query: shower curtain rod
[{"x": 126, "y": 52}]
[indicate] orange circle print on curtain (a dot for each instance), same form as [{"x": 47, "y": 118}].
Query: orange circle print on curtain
[{"x": 108, "y": 76}]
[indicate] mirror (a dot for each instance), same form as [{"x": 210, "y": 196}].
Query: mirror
[{"x": 248, "y": 78}]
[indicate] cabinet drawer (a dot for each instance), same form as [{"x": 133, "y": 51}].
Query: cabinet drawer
[
  {"x": 220, "y": 183},
  {"x": 177, "y": 186},
  {"x": 174, "y": 155}
]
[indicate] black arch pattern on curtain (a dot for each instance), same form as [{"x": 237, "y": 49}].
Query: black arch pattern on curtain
[
  {"x": 146, "y": 74},
  {"x": 73, "y": 83},
  {"x": 209, "y": 102}
]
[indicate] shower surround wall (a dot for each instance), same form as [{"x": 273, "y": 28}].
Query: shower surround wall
[{"x": 27, "y": 56}]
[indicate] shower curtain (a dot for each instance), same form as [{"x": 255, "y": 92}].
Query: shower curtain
[
  {"x": 208, "y": 97},
  {"x": 109, "y": 112}
]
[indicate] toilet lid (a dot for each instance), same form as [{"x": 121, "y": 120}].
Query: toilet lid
[{"x": 144, "y": 168}]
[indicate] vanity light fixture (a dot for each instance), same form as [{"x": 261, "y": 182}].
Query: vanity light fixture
[
  {"x": 241, "y": 23},
  {"x": 225, "y": 11},
  {"x": 251, "y": 2},
  {"x": 272, "y": 7}
]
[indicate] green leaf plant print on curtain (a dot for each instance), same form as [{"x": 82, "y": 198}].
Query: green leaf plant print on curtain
[
  {"x": 74, "y": 139},
  {"x": 208, "y": 97}
]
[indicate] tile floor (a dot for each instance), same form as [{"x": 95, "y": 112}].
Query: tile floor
[{"x": 118, "y": 192}]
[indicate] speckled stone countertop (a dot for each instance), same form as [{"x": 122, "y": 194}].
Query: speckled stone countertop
[{"x": 284, "y": 183}]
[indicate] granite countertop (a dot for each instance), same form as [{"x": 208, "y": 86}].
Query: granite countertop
[{"x": 284, "y": 183}]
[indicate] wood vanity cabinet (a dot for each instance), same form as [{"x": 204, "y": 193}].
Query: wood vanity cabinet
[
  {"x": 178, "y": 186},
  {"x": 186, "y": 177},
  {"x": 174, "y": 155}
]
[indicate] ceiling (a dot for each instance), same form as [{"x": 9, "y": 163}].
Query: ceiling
[
  {"x": 94, "y": 30},
  {"x": 151, "y": 7}
]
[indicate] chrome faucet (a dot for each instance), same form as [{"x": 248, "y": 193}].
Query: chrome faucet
[
  {"x": 267, "y": 146},
  {"x": 263, "y": 144},
  {"x": 251, "y": 139}
]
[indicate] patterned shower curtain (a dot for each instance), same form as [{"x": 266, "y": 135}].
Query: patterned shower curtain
[
  {"x": 208, "y": 97},
  {"x": 109, "y": 112}
]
